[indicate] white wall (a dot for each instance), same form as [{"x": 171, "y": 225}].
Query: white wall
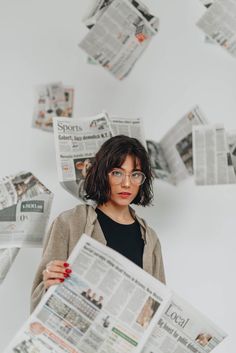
[{"x": 196, "y": 225}]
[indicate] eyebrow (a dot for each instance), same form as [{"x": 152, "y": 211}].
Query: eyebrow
[{"x": 133, "y": 170}]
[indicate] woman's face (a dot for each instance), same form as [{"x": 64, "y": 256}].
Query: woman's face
[{"x": 124, "y": 193}]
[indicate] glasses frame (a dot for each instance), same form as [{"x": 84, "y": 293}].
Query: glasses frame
[{"x": 127, "y": 174}]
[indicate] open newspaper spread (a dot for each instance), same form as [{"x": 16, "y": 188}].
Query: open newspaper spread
[
  {"x": 219, "y": 24},
  {"x": 25, "y": 205},
  {"x": 172, "y": 158},
  {"x": 110, "y": 305},
  {"x": 129, "y": 127},
  {"x": 52, "y": 100},
  {"x": 214, "y": 162},
  {"x": 120, "y": 30}
]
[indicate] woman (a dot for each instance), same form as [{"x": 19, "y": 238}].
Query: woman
[{"x": 120, "y": 175}]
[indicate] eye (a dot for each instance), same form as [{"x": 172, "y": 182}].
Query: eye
[
  {"x": 136, "y": 175},
  {"x": 116, "y": 173}
]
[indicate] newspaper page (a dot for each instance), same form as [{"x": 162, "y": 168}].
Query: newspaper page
[
  {"x": 159, "y": 164},
  {"x": 101, "y": 5},
  {"x": 25, "y": 205},
  {"x": 183, "y": 329},
  {"x": 129, "y": 127},
  {"x": 76, "y": 143},
  {"x": 52, "y": 100},
  {"x": 119, "y": 37},
  {"x": 107, "y": 305},
  {"x": 219, "y": 23},
  {"x": 7, "y": 256},
  {"x": 212, "y": 159},
  {"x": 207, "y": 3},
  {"x": 177, "y": 144}
]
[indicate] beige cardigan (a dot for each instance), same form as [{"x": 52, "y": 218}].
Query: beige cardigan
[{"x": 65, "y": 232}]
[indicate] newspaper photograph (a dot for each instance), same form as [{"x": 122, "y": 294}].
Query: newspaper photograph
[
  {"x": 219, "y": 24},
  {"x": 173, "y": 154},
  {"x": 119, "y": 36},
  {"x": 129, "y": 127},
  {"x": 159, "y": 164},
  {"x": 25, "y": 205},
  {"x": 7, "y": 257},
  {"x": 110, "y": 305},
  {"x": 213, "y": 162},
  {"x": 107, "y": 305},
  {"x": 76, "y": 143},
  {"x": 183, "y": 329},
  {"x": 52, "y": 100},
  {"x": 231, "y": 137}
]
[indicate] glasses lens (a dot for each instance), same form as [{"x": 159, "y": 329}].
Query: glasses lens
[{"x": 137, "y": 178}]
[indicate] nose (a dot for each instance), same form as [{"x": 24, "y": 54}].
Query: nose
[{"x": 126, "y": 180}]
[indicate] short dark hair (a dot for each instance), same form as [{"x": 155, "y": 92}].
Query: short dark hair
[{"x": 111, "y": 155}]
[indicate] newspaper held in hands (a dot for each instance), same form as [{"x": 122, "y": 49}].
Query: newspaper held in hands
[
  {"x": 110, "y": 305},
  {"x": 76, "y": 142},
  {"x": 7, "y": 256},
  {"x": 25, "y": 205},
  {"x": 213, "y": 162},
  {"x": 219, "y": 24},
  {"x": 52, "y": 100},
  {"x": 120, "y": 31},
  {"x": 172, "y": 158}
]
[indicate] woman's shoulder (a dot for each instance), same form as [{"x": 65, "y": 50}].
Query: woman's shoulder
[{"x": 77, "y": 213}]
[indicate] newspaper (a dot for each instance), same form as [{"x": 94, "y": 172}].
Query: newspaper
[
  {"x": 231, "y": 137},
  {"x": 76, "y": 143},
  {"x": 7, "y": 256},
  {"x": 207, "y": 3},
  {"x": 171, "y": 158},
  {"x": 120, "y": 30},
  {"x": 110, "y": 305},
  {"x": 129, "y": 127},
  {"x": 219, "y": 24},
  {"x": 25, "y": 205},
  {"x": 213, "y": 162},
  {"x": 52, "y": 100}
]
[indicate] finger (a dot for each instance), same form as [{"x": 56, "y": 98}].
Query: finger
[
  {"x": 56, "y": 268},
  {"x": 54, "y": 275},
  {"x": 51, "y": 282},
  {"x": 58, "y": 263}
]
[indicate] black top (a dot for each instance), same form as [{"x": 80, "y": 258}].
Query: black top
[{"x": 124, "y": 238}]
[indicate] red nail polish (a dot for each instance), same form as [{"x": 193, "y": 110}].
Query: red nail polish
[
  {"x": 61, "y": 279},
  {"x": 66, "y": 275},
  {"x": 66, "y": 264},
  {"x": 68, "y": 270}
]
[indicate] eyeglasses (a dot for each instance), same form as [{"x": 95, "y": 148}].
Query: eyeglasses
[{"x": 118, "y": 176}]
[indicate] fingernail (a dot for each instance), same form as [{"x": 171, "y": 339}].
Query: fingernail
[
  {"x": 66, "y": 264},
  {"x": 68, "y": 270},
  {"x": 66, "y": 275},
  {"x": 61, "y": 279}
]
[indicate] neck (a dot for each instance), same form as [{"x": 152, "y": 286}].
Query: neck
[{"x": 121, "y": 214}]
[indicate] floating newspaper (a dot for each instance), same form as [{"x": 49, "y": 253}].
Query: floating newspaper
[
  {"x": 213, "y": 162},
  {"x": 231, "y": 137},
  {"x": 25, "y": 205},
  {"x": 120, "y": 30},
  {"x": 7, "y": 256},
  {"x": 171, "y": 158},
  {"x": 52, "y": 100},
  {"x": 110, "y": 305},
  {"x": 207, "y": 3},
  {"x": 219, "y": 24},
  {"x": 129, "y": 127},
  {"x": 76, "y": 142}
]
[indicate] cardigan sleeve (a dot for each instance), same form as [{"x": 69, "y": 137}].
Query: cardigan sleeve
[
  {"x": 55, "y": 248},
  {"x": 158, "y": 266}
]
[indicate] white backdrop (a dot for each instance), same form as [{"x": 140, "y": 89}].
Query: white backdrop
[{"x": 196, "y": 225}]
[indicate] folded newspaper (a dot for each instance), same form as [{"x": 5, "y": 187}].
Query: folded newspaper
[
  {"x": 110, "y": 305},
  {"x": 78, "y": 140},
  {"x": 214, "y": 155},
  {"x": 219, "y": 23},
  {"x": 7, "y": 256},
  {"x": 172, "y": 158},
  {"x": 25, "y": 205},
  {"x": 52, "y": 100},
  {"x": 120, "y": 31}
]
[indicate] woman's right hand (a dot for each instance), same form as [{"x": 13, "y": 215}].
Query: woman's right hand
[{"x": 55, "y": 272}]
